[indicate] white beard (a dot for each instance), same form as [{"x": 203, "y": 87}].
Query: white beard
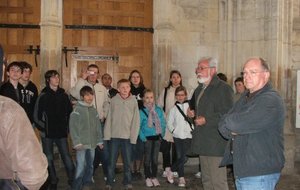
[{"x": 203, "y": 80}]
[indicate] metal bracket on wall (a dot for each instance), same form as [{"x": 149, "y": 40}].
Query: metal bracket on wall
[
  {"x": 65, "y": 50},
  {"x": 36, "y": 52}
]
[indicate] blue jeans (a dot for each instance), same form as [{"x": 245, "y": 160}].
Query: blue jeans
[
  {"x": 84, "y": 168},
  {"x": 263, "y": 182},
  {"x": 151, "y": 158},
  {"x": 62, "y": 145},
  {"x": 114, "y": 146},
  {"x": 137, "y": 150},
  {"x": 182, "y": 145}
]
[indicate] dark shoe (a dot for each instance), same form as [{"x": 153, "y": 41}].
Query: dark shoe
[
  {"x": 139, "y": 175},
  {"x": 53, "y": 187}
]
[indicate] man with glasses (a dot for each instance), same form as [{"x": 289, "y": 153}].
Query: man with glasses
[
  {"x": 255, "y": 128},
  {"x": 211, "y": 99}
]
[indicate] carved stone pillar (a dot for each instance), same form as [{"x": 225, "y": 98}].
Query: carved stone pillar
[
  {"x": 162, "y": 42},
  {"x": 51, "y": 36}
]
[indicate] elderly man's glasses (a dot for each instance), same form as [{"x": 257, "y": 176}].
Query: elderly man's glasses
[
  {"x": 251, "y": 73},
  {"x": 202, "y": 68}
]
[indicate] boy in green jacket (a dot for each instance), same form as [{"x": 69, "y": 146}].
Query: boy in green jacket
[{"x": 85, "y": 130}]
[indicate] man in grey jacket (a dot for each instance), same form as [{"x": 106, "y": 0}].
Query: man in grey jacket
[
  {"x": 255, "y": 128},
  {"x": 211, "y": 99}
]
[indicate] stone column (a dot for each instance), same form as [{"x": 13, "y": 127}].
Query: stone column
[
  {"x": 162, "y": 42},
  {"x": 283, "y": 78},
  {"x": 51, "y": 36}
]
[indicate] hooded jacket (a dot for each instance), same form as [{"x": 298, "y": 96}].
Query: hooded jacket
[
  {"x": 85, "y": 126},
  {"x": 52, "y": 112},
  {"x": 100, "y": 98},
  {"x": 123, "y": 119}
]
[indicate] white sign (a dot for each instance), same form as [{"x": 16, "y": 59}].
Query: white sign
[{"x": 298, "y": 101}]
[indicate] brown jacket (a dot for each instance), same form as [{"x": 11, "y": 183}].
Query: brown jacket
[{"x": 20, "y": 150}]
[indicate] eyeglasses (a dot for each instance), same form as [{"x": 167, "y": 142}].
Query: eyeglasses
[
  {"x": 202, "y": 68},
  {"x": 251, "y": 73}
]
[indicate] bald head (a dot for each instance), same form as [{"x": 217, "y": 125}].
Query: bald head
[{"x": 256, "y": 74}]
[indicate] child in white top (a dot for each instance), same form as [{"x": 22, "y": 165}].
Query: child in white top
[{"x": 180, "y": 127}]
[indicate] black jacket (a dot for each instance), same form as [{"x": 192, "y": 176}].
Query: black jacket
[
  {"x": 52, "y": 112},
  {"x": 28, "y": 97},
  {"x": 8, "y": 90},
  {"x": 138, "y": 93},
  {"x": 258, "y": 121}
]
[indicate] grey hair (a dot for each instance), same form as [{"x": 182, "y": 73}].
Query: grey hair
[
  {"x": 212, "y": 62},
  {"x": 263, "y": 62}
]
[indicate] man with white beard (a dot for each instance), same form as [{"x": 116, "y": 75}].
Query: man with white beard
[{"x": 211, "y": 99}]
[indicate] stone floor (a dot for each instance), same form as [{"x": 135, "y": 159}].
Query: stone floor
[{"x": 291, "y": 182}]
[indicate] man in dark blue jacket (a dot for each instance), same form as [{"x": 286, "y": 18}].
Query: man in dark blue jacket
[{"x": 255, "y": 128}]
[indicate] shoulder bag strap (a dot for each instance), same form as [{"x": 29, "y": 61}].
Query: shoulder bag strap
[
  {"x": 184, "y": 116},
  {"x": 165, "y": 98}
]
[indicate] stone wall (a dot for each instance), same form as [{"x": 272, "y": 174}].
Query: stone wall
[{"x": 232, "y": 31}]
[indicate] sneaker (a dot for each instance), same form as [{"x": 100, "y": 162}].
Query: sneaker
[
  {"x": 175, "y": 174},
  {"x": 149, "y": 182},
  {"x": 198, "y": 175},
  {"x": 170, "y": 176},
  {"x": 181, "y": 182},
  {"x": 155, "y": 182},
  {"x": 128, "y": 187},
  {"x": 164, "y": 174}
]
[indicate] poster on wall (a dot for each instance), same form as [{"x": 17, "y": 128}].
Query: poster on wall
[{"x": 298, "y": 101}]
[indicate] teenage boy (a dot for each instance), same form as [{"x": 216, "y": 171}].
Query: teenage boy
[
  {"x": 51, "y": 116},
  {"x": 86, "y": 134},
  {"x": 12, "y": 88},
  {"x": 122, "y": 129},
  {"x": 29, "y": 91}
]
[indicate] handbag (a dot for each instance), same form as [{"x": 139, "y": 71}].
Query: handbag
[{"x": 11, "y": 184}]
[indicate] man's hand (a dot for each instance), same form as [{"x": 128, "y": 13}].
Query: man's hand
[
  {"x": 101, "y": 146},
  {"x": 200, "y": 120},
  {"x": 79, "y": 147},
  {"x": 190, "y": 113},
  {"x": 84, "y": 74}
]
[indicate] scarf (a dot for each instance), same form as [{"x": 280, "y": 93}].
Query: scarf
[{"x": 153, "y": 118}]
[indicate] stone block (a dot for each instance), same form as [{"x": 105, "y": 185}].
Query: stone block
[{"x": 289, "y": 146}]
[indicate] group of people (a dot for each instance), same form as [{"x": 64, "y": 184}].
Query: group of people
[{"x": 243, "y": 129}]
